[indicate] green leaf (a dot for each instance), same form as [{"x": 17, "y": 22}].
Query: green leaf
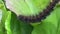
[
  {"x": 14, "y": 26},
  {"x": 26, "y": 7}
]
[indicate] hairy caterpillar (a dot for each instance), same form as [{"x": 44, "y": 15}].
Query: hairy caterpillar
[{"x": 41, "y": 15}]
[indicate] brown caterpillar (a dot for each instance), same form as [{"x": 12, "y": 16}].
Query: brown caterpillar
[{"x": 41, "y": 15}]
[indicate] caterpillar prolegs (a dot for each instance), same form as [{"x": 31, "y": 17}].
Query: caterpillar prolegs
[{"x": 41, "y": 16}]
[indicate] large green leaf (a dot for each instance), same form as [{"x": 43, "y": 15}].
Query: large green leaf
[{"x": 26, "y": 7}]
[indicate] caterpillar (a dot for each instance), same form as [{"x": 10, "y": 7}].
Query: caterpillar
[{"x": 41, "y": 16}]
